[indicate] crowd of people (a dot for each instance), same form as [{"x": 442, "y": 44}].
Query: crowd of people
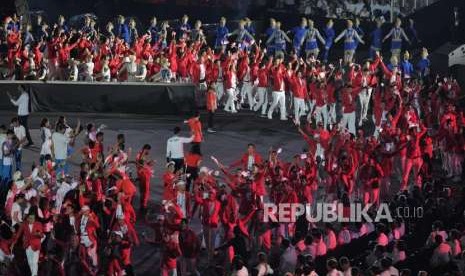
[
  {"x": 379, "y": 131},
  {"x": 123, "y": 51}
]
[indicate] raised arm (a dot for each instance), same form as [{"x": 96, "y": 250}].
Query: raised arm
[
  {"x": 320, "y": 37},
  {"x": 389, "y": 34},
  {"x": 357, "y": 36},
  {"x": 341, "y": 35},
  {"x": 404, "y": 35}
]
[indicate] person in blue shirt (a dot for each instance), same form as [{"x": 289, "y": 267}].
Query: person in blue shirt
[
  {"x": 221, "y": 37},
  {"x": 184, "y": 28},
  {"x": 311, "y": 45},
  {"x": 299, "y": 33},
  {"x": 423, "y": 65},
  {"x": 133, "y": 34},
  {"x": 28, "y": 38},
  {"x": 406, "y": 66},
  {"x": 241, "y": 34},
  {"x": 396, "y": 34},
  {"x": 412, "y": 32},
  {"x": 330, "y": 34},
  {"x": 359, "y": 31},
  {"x": 61, "y": 24},
  {"x": 122, "y": 30},
  {"x": 278, "y": 40},
  {"x": 376, "y": 39},
  {"x": 268, "y": 33},
  {"x": 86, "y": 28},
  {"x": 12, "y": 23},
  {"x": 250, "y": 28},
  {"x": 349, "y": 35},
  {"x": 153, "y": 30}
]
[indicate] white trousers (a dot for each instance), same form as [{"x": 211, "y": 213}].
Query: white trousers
[
  {"x": 299, "y": 109},
  {"x": 246, "y": 92},
  {"x": 321, "y": 115},
  {"x": 348, "y": 121},
  {"x": 320, "y": 151},
  {"x": 230, "y": 106},
  {"x": 262, "y": 100},
  {"x": 33, "y": 260},
  {"x": 219, "y": 88},
  {"x": 279, "y": 97},
  {"x": 364, "y": 98}
]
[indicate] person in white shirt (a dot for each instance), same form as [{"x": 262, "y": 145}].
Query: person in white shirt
[
  {"x": 20, "y": 133},
  {"x": 23, "y": 110},
  {"x": 46, "y": 136},
  {"x": 88, "y": 69},
  {"x": 175, "y": 148},
  {"x": 60, "y": 143}
]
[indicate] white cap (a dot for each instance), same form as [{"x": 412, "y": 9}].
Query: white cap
[{"x": 85, "y": 208}]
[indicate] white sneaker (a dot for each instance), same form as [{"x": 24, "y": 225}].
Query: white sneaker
[{"x": 210, "y": 130}]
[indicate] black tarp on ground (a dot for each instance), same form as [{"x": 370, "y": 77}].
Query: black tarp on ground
[{"x": 140, "y": 98}]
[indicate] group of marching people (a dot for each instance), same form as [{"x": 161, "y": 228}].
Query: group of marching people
[{"x": 368, "y": 127}]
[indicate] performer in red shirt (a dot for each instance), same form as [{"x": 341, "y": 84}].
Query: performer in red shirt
[
  {"x": 348, "y": 109},
  {"x": 189, "y": 244},
  {"x": 196, "y": 130},
  {"x": 144, "y": 166},
  {"x": 321, "y": 110},
  {"x": 414, "y": 156},
  {"x": 32, "y": 233},
  {"x": 87, "y": 225},
  {"x": 370, "y": 175},
  {"x": 279, "y": 96},
  {"x": 212, "y": 106},
  {"x": 298, "y": 87},
  {"x": 248, "y": 159}
]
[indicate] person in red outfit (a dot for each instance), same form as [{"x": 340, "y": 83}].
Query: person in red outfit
[
  {"x": 298, "y": 88},
  {"x": 196, "y": 129},
  {"x": 414, "y": 156},
  {"x": 88, "y": 224},
  {"x": 212, "y": 106},
  {"x": 248, "y": 159},
  {"x": 348, "y": 109},
  {"x": 144, "y": 166},
  {"x": 279, "y": 97},
  {"x": 32, "y": 233},
  {"x": 169, "y": 178},
  {"x": 370, "y": 174},
  {"x": 206, "y": 197},
  {"x": 262, "y": 88},
  {"x": 189, "y": 244}
]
